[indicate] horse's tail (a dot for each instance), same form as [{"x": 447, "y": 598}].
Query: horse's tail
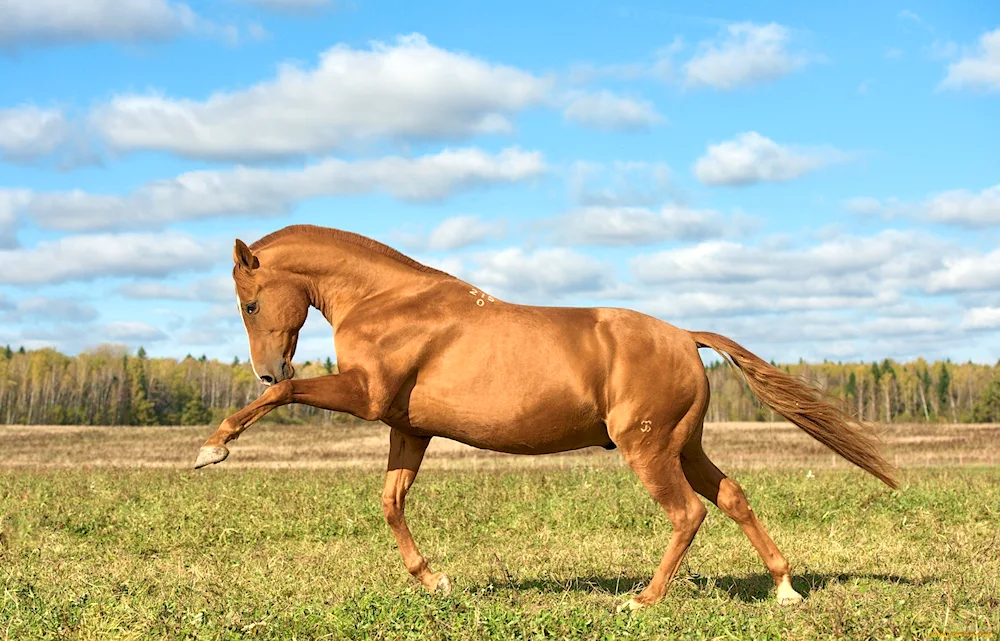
[{"x": 808, "y": 407}]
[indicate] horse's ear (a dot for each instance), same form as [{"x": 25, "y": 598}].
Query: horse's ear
[{"x": 243, "y": 257}]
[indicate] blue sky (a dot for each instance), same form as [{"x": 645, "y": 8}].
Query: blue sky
[{"x": 813, "y": 180}]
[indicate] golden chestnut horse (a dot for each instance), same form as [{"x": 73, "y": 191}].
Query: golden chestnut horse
[{"x": 431, "y": 355}]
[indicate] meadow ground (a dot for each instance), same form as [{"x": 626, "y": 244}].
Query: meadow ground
[{"x": 108, "y": 534}]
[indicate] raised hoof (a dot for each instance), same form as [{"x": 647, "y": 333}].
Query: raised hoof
[
  {"x": 630, "y": 606},
  {"x": 209, "y": 455},
  {"x": 439, "y": 584}
]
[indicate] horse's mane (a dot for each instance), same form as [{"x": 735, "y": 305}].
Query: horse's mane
[{"x": 313, "y": 231}]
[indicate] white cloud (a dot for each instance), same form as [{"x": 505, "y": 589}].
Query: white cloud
[
  {"x": 461, "y": 231},
  {"x": 730, "y": 302},
  {"x": 132, "y": 331},
  {"x": 44, "y": 22},
  {"x": 906, "y": 14},
  {"x": 841, "y": 265},
  {"x": 628, "y": 226},
  {"x": 661, "y": 67},
  {"x": 980, "y": 70},
  {"x": 542, "y": 275},
  {"x": 981, "y": 318},
  {"x": 745, "y": 54},
  {"x": 409, "y": 90},
  {"x": 29, "y": 132},
  {"x": 966, "y": 208},
  {"x": 960, "y": 207},
  {"x": 217, "y": 289},
  {"x": 752, "y": 158},
  {"x": 606, "y": 111},
  {"x": 865, "y": 205},
  {"x": 975, "y": 272},
  {"x": 252, "y": 191},
  {"x": 84, "y": 258},
  {"x": 46, "y": 309},
  {"x": 11, "y": 202},
  {"x": 619, "y": 183},
  {"x": 453, "y": 233}
]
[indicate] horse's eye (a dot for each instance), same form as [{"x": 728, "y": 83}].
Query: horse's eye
[{"x": 251, "y": 308}]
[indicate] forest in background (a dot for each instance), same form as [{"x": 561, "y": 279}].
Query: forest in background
[{"x": 110, "y": 385}]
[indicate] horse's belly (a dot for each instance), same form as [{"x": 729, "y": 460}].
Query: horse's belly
[{"x": 525, "y": 421}]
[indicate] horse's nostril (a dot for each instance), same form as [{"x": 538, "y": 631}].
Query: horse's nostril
[{"x": 266, "y": 379}]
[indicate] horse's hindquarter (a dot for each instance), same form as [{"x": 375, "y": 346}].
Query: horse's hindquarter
[{"x": 516, "y": 379}]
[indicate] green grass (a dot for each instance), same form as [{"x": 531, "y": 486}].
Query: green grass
[{"x": 535, "y": 554}]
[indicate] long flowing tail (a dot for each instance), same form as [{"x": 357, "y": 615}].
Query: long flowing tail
[{"x": 806, "y": 406}]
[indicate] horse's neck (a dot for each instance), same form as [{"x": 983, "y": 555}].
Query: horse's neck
[{"x": 338, "y": 275}]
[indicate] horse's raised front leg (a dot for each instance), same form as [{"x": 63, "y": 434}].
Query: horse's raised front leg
[
  {"x": 344, "y": 392},
  {"x": 405, "y": 455}
]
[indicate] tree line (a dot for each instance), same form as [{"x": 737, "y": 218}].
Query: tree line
[{"x": 110, "y": 385}]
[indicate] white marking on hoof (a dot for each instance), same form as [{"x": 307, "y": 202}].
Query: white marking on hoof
[
  {"x": 210, "y": 455},
  {"x": 646, "y": 426},
  {"x": 442, "y": 585},
  {"x": 630, "y": 606},
  {"x": 480, "y": 302},
  {"x": 787, "y": 594}
]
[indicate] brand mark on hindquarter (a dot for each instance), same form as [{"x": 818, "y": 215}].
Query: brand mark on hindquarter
[
  {"x": 646, "y": 426},
  {"x": 483, "y": 297}
]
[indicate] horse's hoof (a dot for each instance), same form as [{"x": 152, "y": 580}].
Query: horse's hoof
[
  {"x": 209, "y": 455},
  {"x": 439, "y": 584},
  {"x": 789, "y": 597},
  {"x": 630, "y": 606}
]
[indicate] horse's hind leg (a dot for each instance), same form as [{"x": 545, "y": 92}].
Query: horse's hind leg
[
  {"x": 710, "y": 482},
  {"x": 652, "y": 451}
]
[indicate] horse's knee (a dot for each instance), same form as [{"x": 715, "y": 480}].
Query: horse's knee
[{"x": 733, "y": 501}]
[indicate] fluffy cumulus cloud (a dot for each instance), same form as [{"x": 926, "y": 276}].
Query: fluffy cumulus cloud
[
  {"x": 845, "y": 264},
  {"x": 47, "y": 22},
  {"x": 460, "y": 231},
  {"x": 751, "y": 158},
  {"x": 29, "y": 132},
  {"x": 979, "y": 69},
  {"x": 627, "y": 226},
  {"x": 604, "y": 110},
  {"x": 970, "y": 272},
  {"x": 979, "y": 318},
  {"x": 966, "y": 208},
  {"x": 744, "y": 54},
  {"x": 88, "y": 257},
  {"x": 833, "y": 298},
  {"x": 262, "y": 192},
  {"x": 542, "y": 275},
  {"x": 959, "y": 207},
  {"x": 407, "y": 90}
]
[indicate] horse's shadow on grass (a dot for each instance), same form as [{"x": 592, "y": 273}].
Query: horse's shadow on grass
[{"x": 750, "y": 589}]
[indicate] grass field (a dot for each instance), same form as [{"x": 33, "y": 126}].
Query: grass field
[{"x": 106, "y": 535}]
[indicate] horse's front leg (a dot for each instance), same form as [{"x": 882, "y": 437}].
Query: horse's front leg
[
  {"x": 405, "y": 455},
  {"x": 344, "y": 392}
]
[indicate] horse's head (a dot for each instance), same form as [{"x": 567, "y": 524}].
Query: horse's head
[{"x": 274, "y": 306}]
